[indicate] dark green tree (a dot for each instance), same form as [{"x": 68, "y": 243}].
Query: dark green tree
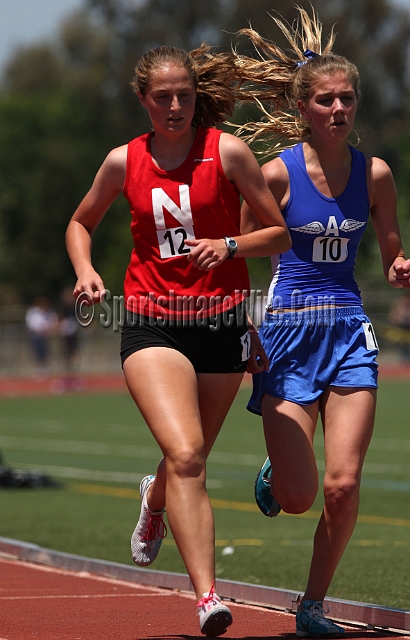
[
  {"x": 66, "y": 103},
  {"x": 57, "y": 123}
]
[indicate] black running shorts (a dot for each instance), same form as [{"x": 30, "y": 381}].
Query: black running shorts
[{"x": 219, "y": 345}]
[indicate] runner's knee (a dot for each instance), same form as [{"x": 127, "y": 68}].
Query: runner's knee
[
  {"x": 186, "y": 463},
  {"x": 341, "y": 493}
]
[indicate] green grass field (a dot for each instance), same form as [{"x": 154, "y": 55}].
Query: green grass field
[{"x": 100, "y": 448}]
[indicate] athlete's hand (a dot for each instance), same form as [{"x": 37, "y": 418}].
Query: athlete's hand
[
  {"x": 89, "y": 288},
  {"x": 258, "y": 360},
  {"x": 401, "y": 272},
  {"x": 207, "y": 254}
]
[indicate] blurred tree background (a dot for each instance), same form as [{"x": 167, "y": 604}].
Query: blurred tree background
[{"x": 65, "y": 103}]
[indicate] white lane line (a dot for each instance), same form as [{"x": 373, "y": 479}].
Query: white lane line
[
  {"x": 119, "y": 477},
  {"x": 121, "y": 450},
  {"x": 88, "y": 597}
]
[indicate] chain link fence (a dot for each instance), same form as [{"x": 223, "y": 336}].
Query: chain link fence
[{"x": 97, "y": 349}]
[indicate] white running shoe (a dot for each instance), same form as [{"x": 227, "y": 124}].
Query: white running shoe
[
  {"x": 150, "y": 530},
  {"x": 214, "y": 617}
]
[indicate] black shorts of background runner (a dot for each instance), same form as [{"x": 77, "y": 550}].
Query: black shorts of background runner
[{"x": 220, "y": 345}]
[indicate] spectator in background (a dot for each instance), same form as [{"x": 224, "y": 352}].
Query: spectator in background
[
  {"x": 400, "y": 317},
  {"x": 68, "y": 328},
  {"x": 41, "y": 322}
]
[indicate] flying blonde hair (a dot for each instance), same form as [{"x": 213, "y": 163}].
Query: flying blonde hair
[{"x": 276, "y": 79}]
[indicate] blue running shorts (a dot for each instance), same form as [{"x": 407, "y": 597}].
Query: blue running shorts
[{"x": 311, "y": 350}]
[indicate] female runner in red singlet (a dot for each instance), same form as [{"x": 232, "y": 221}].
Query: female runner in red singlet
[{"x": 185, "y": 344}]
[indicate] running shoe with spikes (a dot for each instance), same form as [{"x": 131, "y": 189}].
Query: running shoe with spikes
[
  {"x": 263, "y": 496},
  {"x": 150, "y": 530},
  {"x": 214, "y": 617},
  {"x": 311, "y": 622}
]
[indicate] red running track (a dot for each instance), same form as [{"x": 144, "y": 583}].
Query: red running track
[
  {"x": 102, "y": 383},
  {"x": 48, "y": 603}
]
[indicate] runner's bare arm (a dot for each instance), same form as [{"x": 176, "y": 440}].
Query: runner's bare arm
[
  {"x": 272, "y": 236},
  {"x": 277, "y": 179},
  {"x": 383, "y": 203},
  {"x": 108, "y": 183}
]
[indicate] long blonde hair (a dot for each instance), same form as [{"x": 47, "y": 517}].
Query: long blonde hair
[
  {"x": 276, "y": 79},
  {"x": 213, "y": 75}
]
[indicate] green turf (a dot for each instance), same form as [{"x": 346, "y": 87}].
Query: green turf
[{"x": 87, "y": 440}]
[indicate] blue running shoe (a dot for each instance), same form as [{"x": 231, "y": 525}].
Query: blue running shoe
[
  {"x": 264, "y": 499},
  {"x": 311, "y": 622}
]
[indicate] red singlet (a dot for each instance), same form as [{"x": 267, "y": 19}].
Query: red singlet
[{"x": 195, "y": 200}]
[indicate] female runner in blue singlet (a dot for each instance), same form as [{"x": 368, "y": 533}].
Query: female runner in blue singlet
[{"x": 321, "y": 345}]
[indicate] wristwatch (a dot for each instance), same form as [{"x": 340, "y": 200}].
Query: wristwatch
[{"x": 231, "y": 245}]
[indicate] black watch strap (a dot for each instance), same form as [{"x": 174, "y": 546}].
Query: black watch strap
[{"x": 231, "y": 245}]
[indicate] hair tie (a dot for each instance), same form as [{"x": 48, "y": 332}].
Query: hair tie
[{"x": 308, "y": 54}]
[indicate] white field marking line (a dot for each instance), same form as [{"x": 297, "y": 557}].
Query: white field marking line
[
  {"x": 53, "y": 426},
  {"x": 119, "y": 477},
  {"x": 87, "y": 597},
  {"x": 254, "y": 607},
  {"x": 216, "y": 457},
  {"x": 78, "y": 446},
  {"x": 242, "y": 605},
  {"x": 50, "y": 425},
  {"x": 121, "y": 450},
  {"x": 377, "y": 468},
  {"x": 86, "y": 474},
  {"x": 380, "y": 444},
  {"x": 165, "y": 594},
  {"x": 114, "y": 581},
  {"x": 81, "y": 574},
  {"x": 235, "y": 505}
]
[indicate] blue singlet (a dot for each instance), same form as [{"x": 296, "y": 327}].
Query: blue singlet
[
  {"x": 326, "y": 233},
  {"x": 331, "y": 341}
]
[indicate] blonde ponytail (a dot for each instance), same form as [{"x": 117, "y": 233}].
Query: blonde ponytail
[{"x": 276, "y": 79}]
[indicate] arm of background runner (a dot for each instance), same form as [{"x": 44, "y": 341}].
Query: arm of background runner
[{"x": 258, "y": 360}]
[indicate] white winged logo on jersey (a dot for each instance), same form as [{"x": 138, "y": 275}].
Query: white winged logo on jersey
[
  {"x": 351, "y": 225},
  {"x": 312, "y": 227},
  {"x": 317, "y": 227}
]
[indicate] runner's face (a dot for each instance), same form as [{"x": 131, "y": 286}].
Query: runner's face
[
  {"x": 331, "y": 107},
  {"x": 170, "y": 98}
]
